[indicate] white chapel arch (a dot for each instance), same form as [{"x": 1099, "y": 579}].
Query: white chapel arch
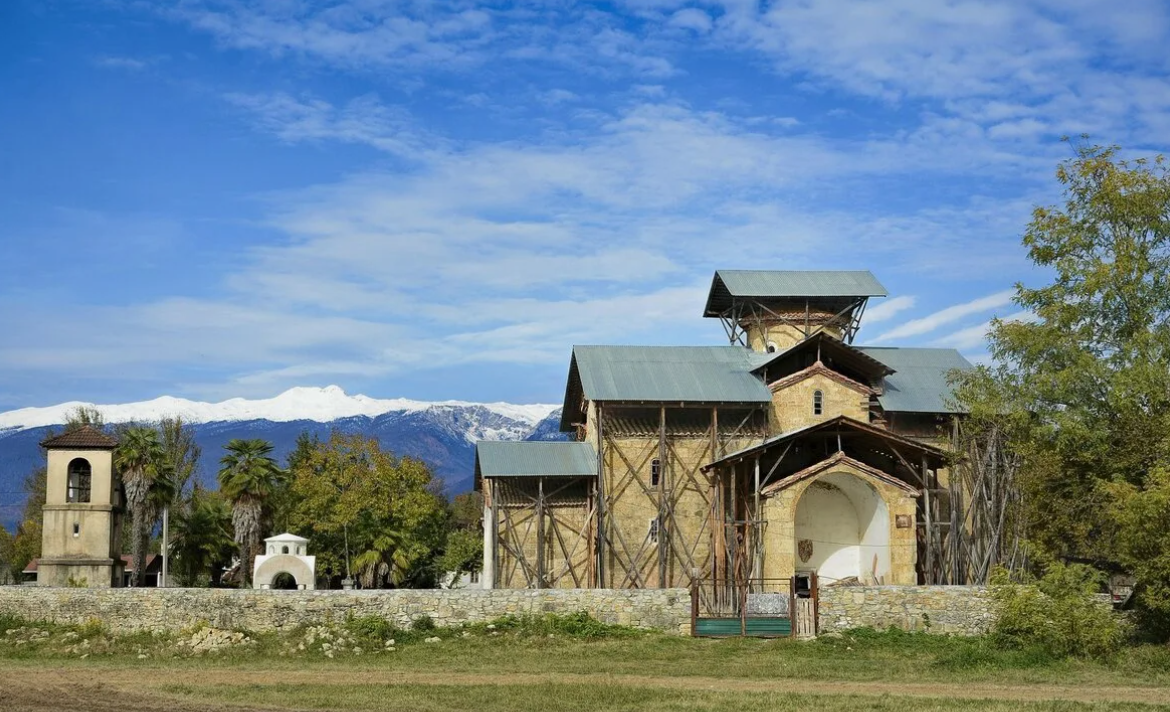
[{"x": 285, "y": 554}]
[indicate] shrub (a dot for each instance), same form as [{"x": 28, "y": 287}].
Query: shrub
[
  {"x": 422, "y": 624},
  {"x": 372, "y": 627},
  {"x": 1060, "y": 614}
]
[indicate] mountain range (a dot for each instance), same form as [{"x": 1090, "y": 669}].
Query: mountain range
[{"x": 442, "y": 434}]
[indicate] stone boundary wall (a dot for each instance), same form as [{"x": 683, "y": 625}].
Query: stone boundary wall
[
  {"x": 963, "y": 610},
  {"x": 170, "y": 609}
]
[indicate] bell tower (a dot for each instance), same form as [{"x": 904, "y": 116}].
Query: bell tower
[
  {"x": 773, "y": 310},
  {"x": 82, "y": 520}
]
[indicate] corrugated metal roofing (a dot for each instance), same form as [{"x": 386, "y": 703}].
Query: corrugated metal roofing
[
  {"x": 788, "y": 283},
  {"x": 670, "y": 374},
  {"x": 919, "y": 383},
  {"x": 535, "y": 459}
]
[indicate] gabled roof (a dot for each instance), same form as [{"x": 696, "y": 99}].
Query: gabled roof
[
  {"x": 831, "y": 351},
  {"x": 729, "y": 285},
  {"x": 534, "y": 459},
  {"x": 919, "y": 383},
  {"x": 838, "y": 458},
  {"x": 845, "y": 430},
  {"x": 84, "y": 438},
  {"x": 662, "y": 374},
  {"x": 287, "y": 536}
]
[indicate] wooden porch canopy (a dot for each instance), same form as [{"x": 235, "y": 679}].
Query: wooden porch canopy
[{"x": 795, "y": 451}]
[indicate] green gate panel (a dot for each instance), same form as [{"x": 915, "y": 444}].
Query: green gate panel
[{"x": 758, "y": 627}]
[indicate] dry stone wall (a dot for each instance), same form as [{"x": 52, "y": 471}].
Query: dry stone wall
[
  {"x": 962, "y": 610},
  {"x": 170, "y": 609}
]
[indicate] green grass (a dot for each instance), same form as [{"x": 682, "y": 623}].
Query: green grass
[
  {"x": 576, "y": 698},
  {"x": 489, "y": 659}
]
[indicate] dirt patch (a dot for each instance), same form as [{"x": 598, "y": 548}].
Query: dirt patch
[{"x": 135, "y": 689}]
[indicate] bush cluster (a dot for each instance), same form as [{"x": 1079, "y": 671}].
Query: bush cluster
[{"x": 1062, "y": 613}]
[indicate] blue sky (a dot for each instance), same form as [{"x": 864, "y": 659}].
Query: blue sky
[{"x": 437, "y": 199}]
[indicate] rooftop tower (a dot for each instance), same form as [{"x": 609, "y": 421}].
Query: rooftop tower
[{"x": 773, "y": 310}]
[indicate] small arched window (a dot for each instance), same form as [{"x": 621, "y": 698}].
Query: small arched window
[
  {"x": 284, "y": 549},
  {"x": 80, "y": 477},
  {"x": 818, "y": 403},
  {"x": 772, "y": 347}
]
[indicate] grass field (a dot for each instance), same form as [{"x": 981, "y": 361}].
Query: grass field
[{"x": 522, "y": 668}]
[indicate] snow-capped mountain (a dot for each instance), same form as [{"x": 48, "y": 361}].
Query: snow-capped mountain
[
  {"x": 322, "y": 405},
  {"x": 443, "y": 434}
]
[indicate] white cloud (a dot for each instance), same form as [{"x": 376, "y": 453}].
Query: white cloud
[
  {"x": 692, "y": 19},
  {"x": 975, "y": 337},
  {"x": 931, "y": 322},
  {"x": 887, "y": 309},
  {"x": 504, "y": 253},
  {"x": 127, "y": 63},
  {"x": 362, "y": 120}
]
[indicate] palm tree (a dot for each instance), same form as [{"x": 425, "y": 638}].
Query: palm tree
[
  {"x": 202, "y": 537},
  {"x": 248, "y": 477},
  {"x": 139, "y": 459}
]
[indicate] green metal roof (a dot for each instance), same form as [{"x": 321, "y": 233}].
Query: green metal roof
[
  {"x": 670, "y": 374},
  {"x": 535, "y": 459},
  {"x": 663, "y": 374},
  {"x": 919, "y": 383},
  {"x": 788, "y": 284}
]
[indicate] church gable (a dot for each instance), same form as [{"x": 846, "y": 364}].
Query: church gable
[{"x": 814, "y": 395}]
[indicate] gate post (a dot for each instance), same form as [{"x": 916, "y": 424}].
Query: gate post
[{"x": 792, "y": 607}]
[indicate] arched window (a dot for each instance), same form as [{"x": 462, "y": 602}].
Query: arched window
[
  {"x": 818, "y": 403},
  {"x": 772, "y": 347},
  {"x": 284, "y": 549},
  {"x": 80, "y": 476}
]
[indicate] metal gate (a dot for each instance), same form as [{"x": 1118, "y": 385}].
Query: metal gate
[{"x": 761, "y": 608}]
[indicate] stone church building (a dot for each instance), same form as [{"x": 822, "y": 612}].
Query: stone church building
[{"x": 787, "y": 454}]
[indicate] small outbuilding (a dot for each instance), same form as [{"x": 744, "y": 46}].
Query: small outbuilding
[{"x": 285, "y": 563}]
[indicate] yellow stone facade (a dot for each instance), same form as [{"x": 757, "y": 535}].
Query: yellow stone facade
[
  {"x": 81, "y": 541},
  {"x": 781, "y": 336},
  {"x": 792, "y": 401}
]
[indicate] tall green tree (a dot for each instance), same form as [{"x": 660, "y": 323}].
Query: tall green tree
[
  {"x": 180, "y": 451},
  {"x": 368, "y": 512},
  {"x": 201, "y": 538},
  {"x": 247, "y": 477},
  {"x": 141, "y": 461},
  {"x": 463, "y": 549},
  {"x": 1083, "y": 384}
]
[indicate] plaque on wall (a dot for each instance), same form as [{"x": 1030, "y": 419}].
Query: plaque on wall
[{"x": 903, "y": 521}]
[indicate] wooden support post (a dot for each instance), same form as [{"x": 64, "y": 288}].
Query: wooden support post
[
  {"x": 661, "y": 523},
  {"x": 540, "y": 532},
  {"x": 496, "y": 534},
  {"x": 816, "y": 602},
  {"x": 694, "y": 606},
  {"x": 928, "y": 578},
  {"x": 757, "y": 529},
  {"x": 601, "y": 510},
  {"x": 792, "y": 622},
  {"x": 591, "y": 529}
]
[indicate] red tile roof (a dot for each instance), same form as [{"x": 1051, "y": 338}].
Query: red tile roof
[{"x": 85, "y": 437}]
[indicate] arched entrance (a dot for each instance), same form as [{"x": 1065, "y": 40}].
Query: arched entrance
[
  {"x": 284, "y": 581},
  {"x": 843, "y": 530}
]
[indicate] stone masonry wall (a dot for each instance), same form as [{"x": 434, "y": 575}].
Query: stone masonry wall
[
  {"x": 133, "y": 609},
  {"x": 963, "y": 610}
]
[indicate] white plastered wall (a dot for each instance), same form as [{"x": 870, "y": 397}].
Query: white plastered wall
[{"x": 848, "y": 524}]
